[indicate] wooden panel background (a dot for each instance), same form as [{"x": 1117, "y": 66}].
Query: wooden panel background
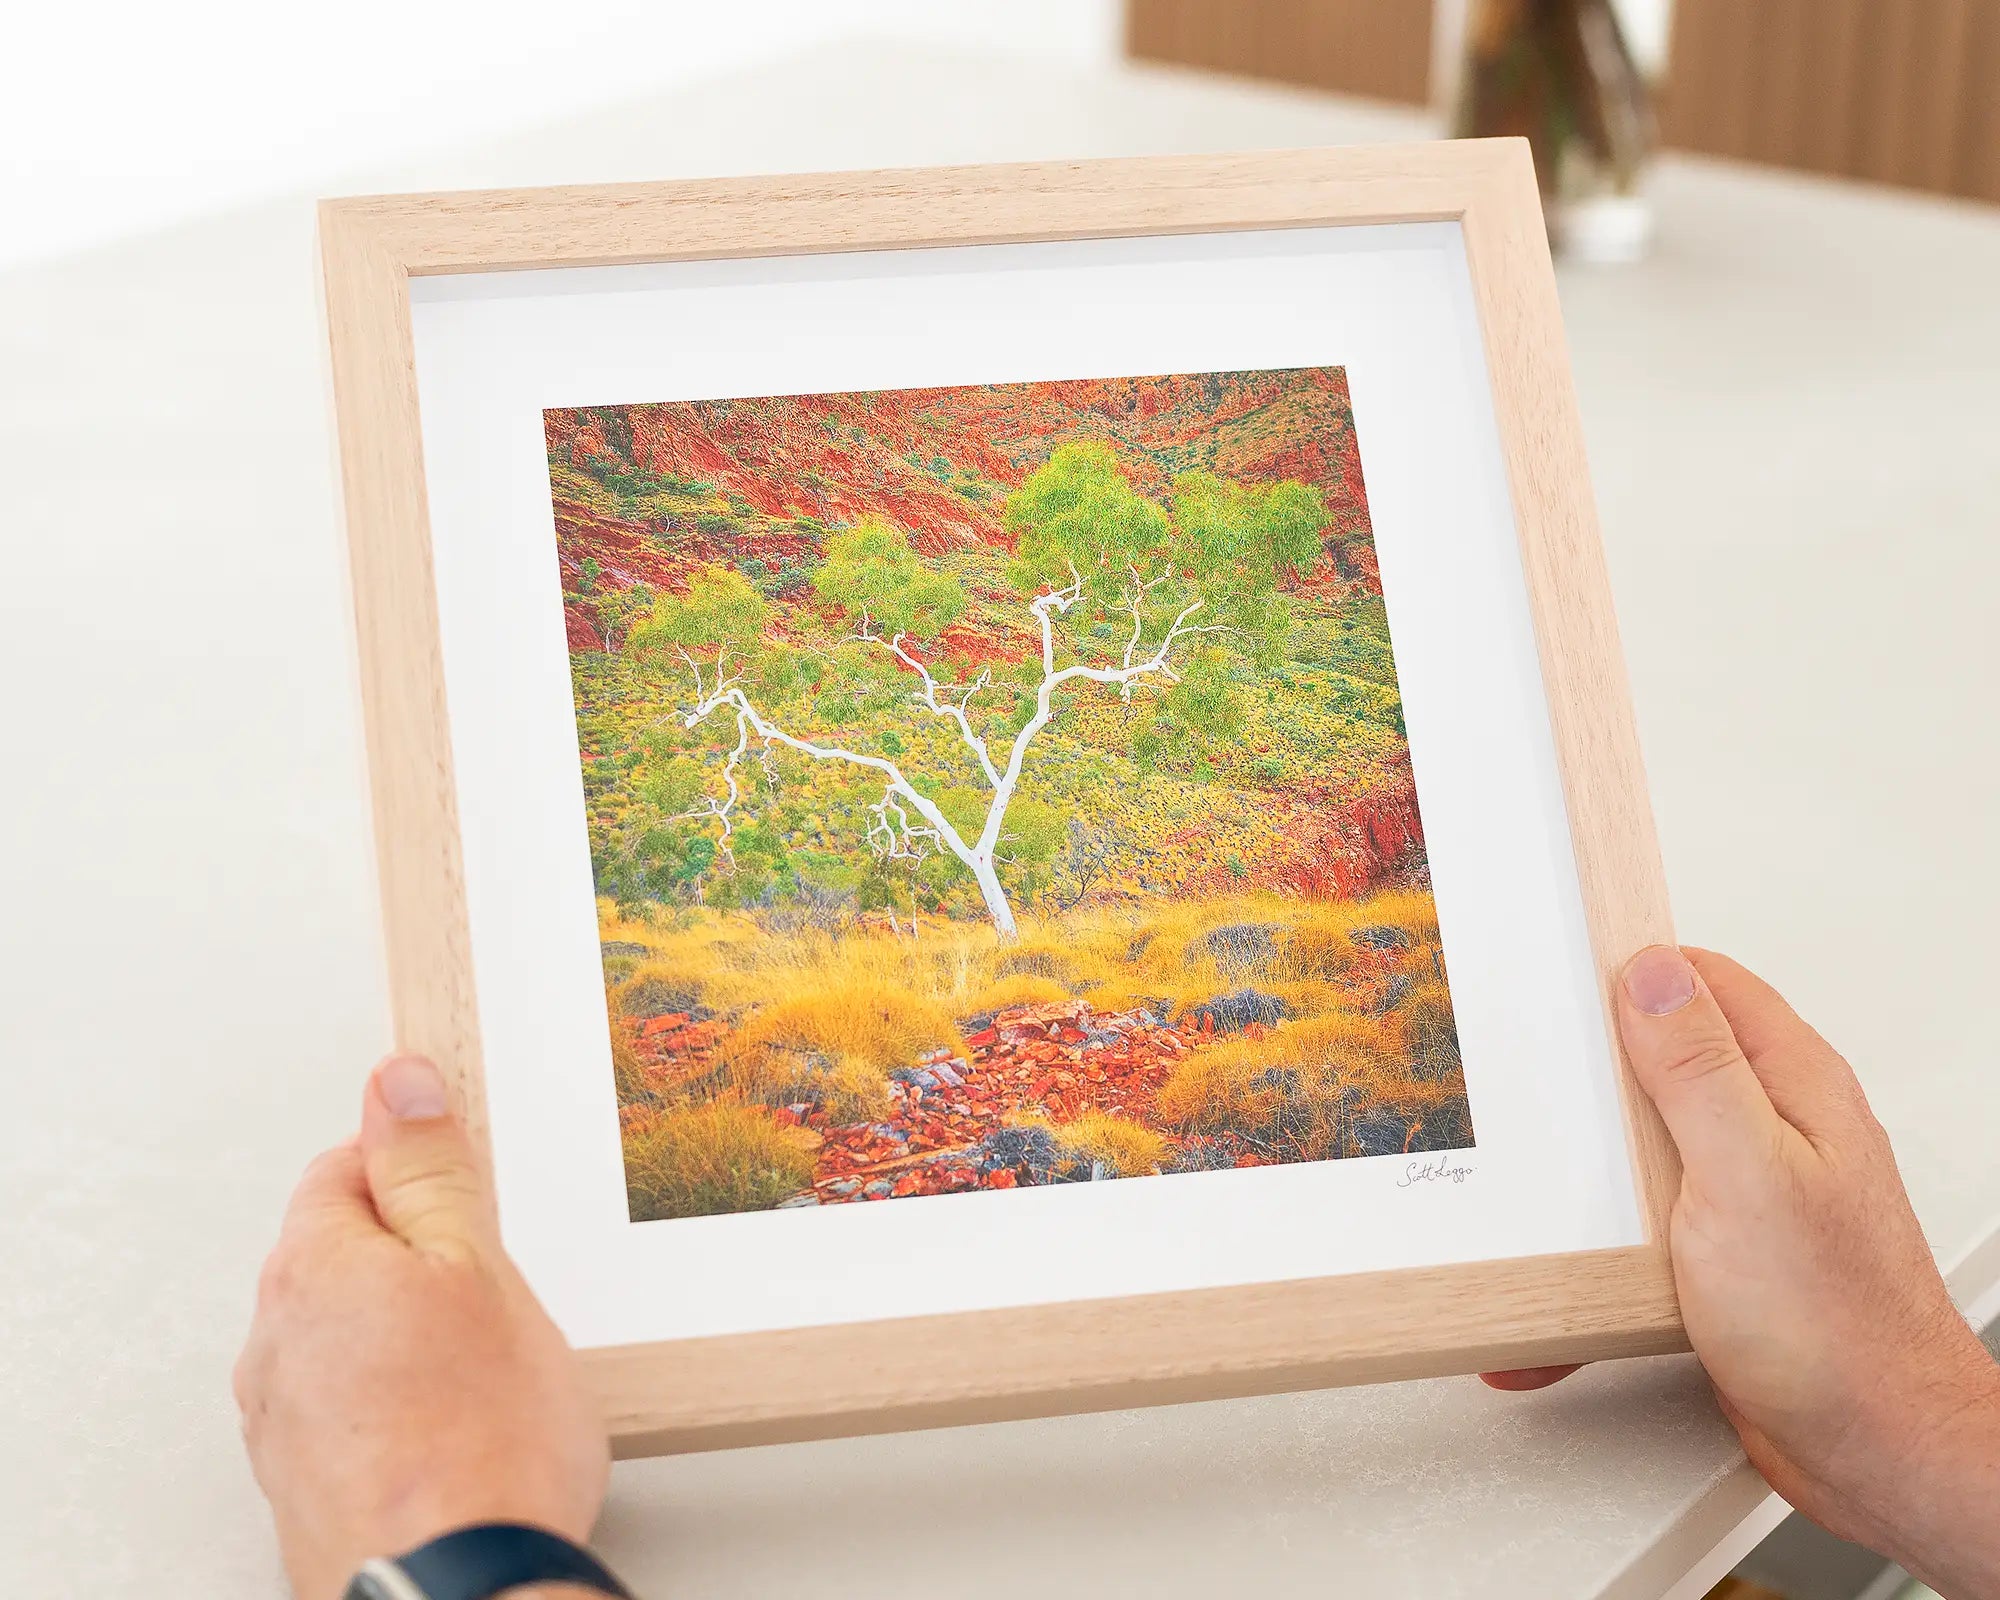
[
  {"x": 1377, "y": 48},
  {"x": 1892, "y": 91}
]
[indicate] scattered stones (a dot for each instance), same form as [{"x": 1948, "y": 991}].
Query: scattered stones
[
  {"x": 614, "y": 949},
  {"x": 992, "y": 1118},
  {"x": 1024, "y": 1149},
  {"x": 796, "y": 1202}
]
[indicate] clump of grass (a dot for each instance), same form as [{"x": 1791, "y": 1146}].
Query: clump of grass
[
  {"x": 1022, "y": 989},
  {"x": 847, "y": 1090},
  {"x": 1320, "y": 951},
  {"x": 1289, "y": 1093},
  {"x": 706, "y": 1159},
  {"x": 836, "y": 1046},
  {"x": 1412, "y": 910},
  {"x": 1126, "y": 1148},
  {"x": 1430, "y": 1032},
  {"x": 1077, "y": 953},
  {"x": 628, "y": 1075},
  {"x": 875, "y": 1023},
  {"x": 653, "y": 987}
]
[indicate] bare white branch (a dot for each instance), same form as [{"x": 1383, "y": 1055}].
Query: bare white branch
[
  {"x": 1135, "y": 602},
  {"x": 893, "y": 834},
  {"x": 928, "y": 696},
  {"x": 720, "y": 809}
]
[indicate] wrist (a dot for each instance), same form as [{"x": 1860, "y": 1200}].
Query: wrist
[
  {"x": 488, "y": 1561},
  {"x": 1936, "y": 1515}
]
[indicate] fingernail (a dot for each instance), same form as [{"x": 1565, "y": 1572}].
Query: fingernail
[
  {"x": 412, "y": 1089},
  {"x": 1659, "y": 980}
]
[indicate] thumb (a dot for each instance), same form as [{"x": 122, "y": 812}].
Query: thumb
[
  {"x": 423, "y": 1176},
  {"x": 1687, "y": 1059}
]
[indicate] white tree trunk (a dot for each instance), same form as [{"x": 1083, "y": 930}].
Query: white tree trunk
[{"x": 996, "y": 897}]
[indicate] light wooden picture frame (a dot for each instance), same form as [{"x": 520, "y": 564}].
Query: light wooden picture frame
[{"x": 1080, "y": 1354}]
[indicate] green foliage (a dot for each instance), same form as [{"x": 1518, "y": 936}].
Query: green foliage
[
  {"x": 671, "y": 785},
  {"x": 631, "y": 483},
  {"x": 1035, "y": 830},
  {"x": 720, "y": 611},
  {"x": 1079, "y": 513},
  {"x": 1254, "y": 533},
  {"x": 1206, "y": 703},
  {"x": 1272, "y": 685},
  {"x": 617, "y": 609},
  {"x": 870, "y": 570}
]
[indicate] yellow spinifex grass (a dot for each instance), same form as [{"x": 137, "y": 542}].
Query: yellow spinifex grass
[
  {"x": 1020, "y": 989},
  {"x": 823, "y": 1014},
  {"x": 1296, "y": 1088},
  {"x": 1162, "y": 954},
  {"x": 867, "y": 1020},
  {"x": 699, "y": 1160},
  {"x": 1126, "y": 1147},
  {"x": 840, "y": 1042}
]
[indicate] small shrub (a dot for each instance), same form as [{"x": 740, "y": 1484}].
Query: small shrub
[
  {"x": 835, "y": 1045},
  {"x": 1430, "y": 1032},
  {"x": 1291, "y": 1093},
  {"x": 645, "y": 997},
  {"x": 1239, "y": 949},
  {"x": 712, "y": 1158},
  {"x": 1239, "y": 1009},
  {"x": 881, "y": 1024},
  {"x": 1124, "y": 1147},
  {"x": 628, "y": 1075}
]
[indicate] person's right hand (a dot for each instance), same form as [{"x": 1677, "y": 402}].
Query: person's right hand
[{"x": 1809, "y": 1293}]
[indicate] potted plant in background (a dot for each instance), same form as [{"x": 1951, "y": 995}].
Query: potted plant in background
[{"x": 1561, "y": 74}]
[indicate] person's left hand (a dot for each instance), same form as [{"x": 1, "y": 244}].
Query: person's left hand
[{"x": 400, "y": 1379}]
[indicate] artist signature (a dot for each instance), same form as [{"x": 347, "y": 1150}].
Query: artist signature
[{"x": 1433, "y": 1171}]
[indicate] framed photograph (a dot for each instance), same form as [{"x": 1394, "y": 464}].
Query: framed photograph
[{"x": 1008, "y": 790}]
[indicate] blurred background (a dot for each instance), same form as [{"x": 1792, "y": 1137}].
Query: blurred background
[
  {"x": 1893, "y": 91},
  {"x": 1779, "y": 251},
  {"x": 127, "y": 115}
]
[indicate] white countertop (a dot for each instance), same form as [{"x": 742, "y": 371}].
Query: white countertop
[{"x": 1794, "y": 416}]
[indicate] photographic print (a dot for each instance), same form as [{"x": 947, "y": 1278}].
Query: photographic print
[{"x": 996, "y": 786}]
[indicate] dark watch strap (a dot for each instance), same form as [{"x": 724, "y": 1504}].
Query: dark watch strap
[{"x": 481, "y": 1562}]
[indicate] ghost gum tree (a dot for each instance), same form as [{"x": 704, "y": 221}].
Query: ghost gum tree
[{"x": 1117, "y": 595}]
